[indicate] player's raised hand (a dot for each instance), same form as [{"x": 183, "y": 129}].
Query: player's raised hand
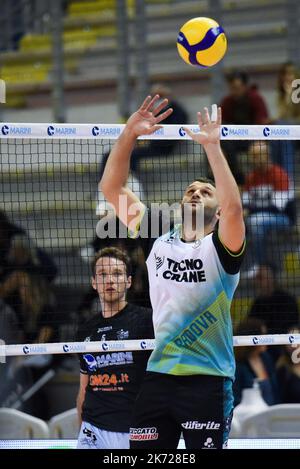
[
  {"x": 146, "y": 119},
  {"x": 209, "y": 126}
]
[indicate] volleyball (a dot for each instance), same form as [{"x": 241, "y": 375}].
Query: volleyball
[{"x": 201, "y": 42}]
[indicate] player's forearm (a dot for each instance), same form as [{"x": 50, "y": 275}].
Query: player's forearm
[
  {"x": 227, "y": 189},
  {"x": 79, "y": 403},
  {"x": 117, "y": 167}
]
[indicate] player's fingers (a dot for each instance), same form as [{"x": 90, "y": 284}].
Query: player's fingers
[
  {"x": 214, "y": 113},
  {"x": 219, "y": 120},
  {"x": 160, "y": 107},
  {"x": 200, "y": 120},
  {"x": 145, "y": 103},
  {"x": 154, "y": 128},
  {"x": 164, "y": 115},
  {"x": 188, "y": 131},
  {"x": 206, "y": 119},
  {"x": 152, "y": 102}
]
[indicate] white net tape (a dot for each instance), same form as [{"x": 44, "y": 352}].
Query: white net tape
[
  {"x": 167, "y": 132},
  {"x": 131, "y": 345}
]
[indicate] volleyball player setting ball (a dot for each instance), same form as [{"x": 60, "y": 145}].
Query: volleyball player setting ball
[{"x": 193, "y": 273}]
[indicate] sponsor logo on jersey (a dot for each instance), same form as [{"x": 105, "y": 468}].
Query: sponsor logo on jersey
[
  {"x": 89, "y": 434},
  {"x": 121, "y": 335},
  {"x": 187, "y": 271},
  {"x": 107, "y": 359},
  {"x": 104, "y": 329},
  {"x": 208, "y": 444},
  {"x": 91, "y": 362},
  {"x": 199, "y": 326},
  {"x": 143, "y": 433},
  {"x": 195, "y": 425},
  {"x": 158, "y": 262},
  {"x": 171, "y": 238}
]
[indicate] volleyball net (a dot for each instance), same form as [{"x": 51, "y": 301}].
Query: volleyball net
[{"x": 51, "y": 207}]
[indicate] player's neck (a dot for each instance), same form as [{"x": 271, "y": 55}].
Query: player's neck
[
  {"x": 111, "y": 309},
  {"x": 189, "y": 234}
]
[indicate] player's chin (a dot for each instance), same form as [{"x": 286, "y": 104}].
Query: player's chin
[
  {"x": 196, "y": 207},
  {"x": 111, "y": 296}
]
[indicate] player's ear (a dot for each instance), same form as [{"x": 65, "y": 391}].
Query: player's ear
[
  {"x": 218, "y": 213},
  {"x": 93, "y": 282},
  {"x": 129, "y": 282}
]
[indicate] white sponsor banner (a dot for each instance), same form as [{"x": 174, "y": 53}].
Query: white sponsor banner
[
  {"x": 131, "y": 345},
  {"x": 78, "y": 347},
  {"x": 167, "y": 132},
  {"x": 249, "y": 443}
]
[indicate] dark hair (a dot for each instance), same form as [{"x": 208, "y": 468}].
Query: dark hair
[
  {"x": 115, "y": 253},
  {"x": 205, "y": 179},
  {"x": 250, "y": 326},
  {"x": 238, "y": 75},
  {"x": 5, "y": 221},
  {"x": 281, "y": 73}
]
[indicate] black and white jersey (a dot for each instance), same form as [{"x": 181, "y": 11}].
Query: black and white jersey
[{"x": 114, "y": 377}]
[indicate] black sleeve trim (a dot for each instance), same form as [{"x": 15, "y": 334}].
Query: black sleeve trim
[{"x": 231, "y": 261}]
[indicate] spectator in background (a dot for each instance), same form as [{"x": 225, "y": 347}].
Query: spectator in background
[
  {"x": 25, "y": 286},
  {"x": 28, "y": 293},
  {"x": 254, "y": 363},
  {"x": 9, "y": 331},
  {"x": 288, "y": 372},
  {"x": 14, "y": 378},
  {"x": 155, "y": 148},
  {"x": 288, "y": 113},
  {"x": 268, "y": 200},
  {"x": 10, "y": 232},
  {"x": 273, "y": 305},
  {"x": 244, "y": 105},
  {"x": 9, "y": 334}
]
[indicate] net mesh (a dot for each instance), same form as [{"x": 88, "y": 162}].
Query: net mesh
[
  {"x": 50, "y": 209},
  {"x": 49, "y": 194}
]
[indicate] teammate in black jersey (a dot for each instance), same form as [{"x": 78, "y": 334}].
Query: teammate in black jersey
[{"x": 110, "y": 381}]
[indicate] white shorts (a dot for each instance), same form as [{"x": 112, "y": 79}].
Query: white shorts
[{"x": 91, "y": 437}]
